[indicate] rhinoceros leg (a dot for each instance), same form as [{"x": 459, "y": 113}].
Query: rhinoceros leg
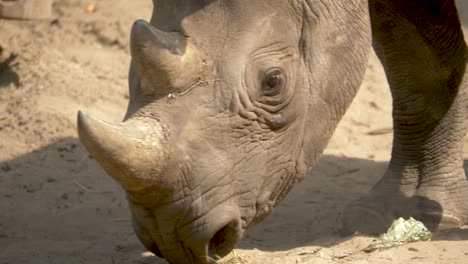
[{"x": 422, "y": 48}]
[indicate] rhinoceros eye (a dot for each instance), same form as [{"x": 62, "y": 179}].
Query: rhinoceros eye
[{"x": 273, "y": 82}]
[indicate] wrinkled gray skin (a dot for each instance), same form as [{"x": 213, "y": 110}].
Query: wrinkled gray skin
[{"x": 232, "y": 101}]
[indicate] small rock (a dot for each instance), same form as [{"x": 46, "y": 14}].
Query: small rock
[
  {"x": 50, "y": 180},
  {"x": 6, "y": 167}
]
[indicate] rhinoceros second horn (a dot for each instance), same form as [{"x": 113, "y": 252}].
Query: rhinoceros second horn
[{"x": 164, "y": 61}]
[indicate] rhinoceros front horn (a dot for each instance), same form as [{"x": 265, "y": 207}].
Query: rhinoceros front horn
[
  {"x": 131, "y": 152},
  {"x": 163, "y": 61}
]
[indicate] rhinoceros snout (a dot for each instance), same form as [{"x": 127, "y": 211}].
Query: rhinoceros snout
[
  {"x": 163, "y": 61},
  {"x": 203, "y": 240}
]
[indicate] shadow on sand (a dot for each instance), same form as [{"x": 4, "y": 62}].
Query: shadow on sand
[{"x": 59, "y": 196}]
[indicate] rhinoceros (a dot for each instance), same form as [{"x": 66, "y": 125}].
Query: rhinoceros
[{"x": 232, "y": 101}]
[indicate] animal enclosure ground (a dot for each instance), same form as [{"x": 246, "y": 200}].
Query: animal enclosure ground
[{"x": 58, "y": 206}]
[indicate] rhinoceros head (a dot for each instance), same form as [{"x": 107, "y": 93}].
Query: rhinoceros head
[{"x": 230, "y": 103}]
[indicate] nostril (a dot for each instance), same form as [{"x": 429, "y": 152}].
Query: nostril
[
  {"x": 217, "y": 242},
  {"x": 214, "y": 235},
  {"x": 224, "y": 240}
]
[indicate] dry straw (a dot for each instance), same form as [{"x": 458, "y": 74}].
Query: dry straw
[{"x": 236, "y": 259}]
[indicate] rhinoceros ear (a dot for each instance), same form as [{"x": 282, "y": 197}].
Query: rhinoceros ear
[{"x": 131, "y": 152}]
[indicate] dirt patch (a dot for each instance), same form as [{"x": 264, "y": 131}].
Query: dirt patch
[{"x": 58, "y": 206}]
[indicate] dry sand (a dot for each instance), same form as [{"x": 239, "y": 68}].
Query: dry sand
[{"x": 58, "y": 206}]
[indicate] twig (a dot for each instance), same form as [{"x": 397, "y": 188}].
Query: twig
[
  {"x": 86, "y": 189},
  {"x": 380, "y": 131},
  {"x": 236, "y": 259},
  {"x": 81, "y": 186},
  {"x": 195, "y": 85},
  {"x": 351, "y": 171},
  {"x": 121, "y": 220},
  {"x": 3, "y": 118},
  {"x": 170, "y": 96},
  {"x": 348, "y": 254}
]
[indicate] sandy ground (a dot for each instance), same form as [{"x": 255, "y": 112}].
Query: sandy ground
[{"x": 58, "y": 206}]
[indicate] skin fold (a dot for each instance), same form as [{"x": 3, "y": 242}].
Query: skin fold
[{"x": 232, "y": 101}]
